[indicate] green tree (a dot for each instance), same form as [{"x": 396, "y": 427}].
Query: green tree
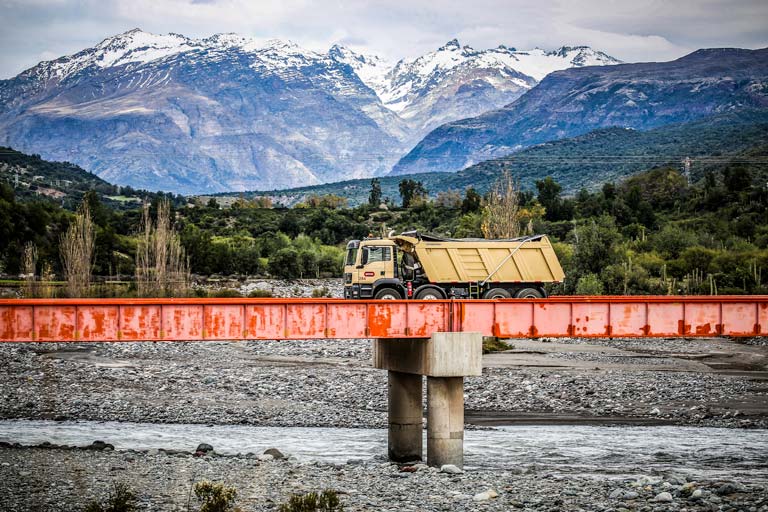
[
  {"x": 672, "y": 240},
  {"x": 589, "y": 284},
  {"x": 549, "y": 197},
  {"x": 472, "y": 201},
  {"x": 410, "y": 190},
  {"x": 374, "y": 197},
  {"x": 308, "y": 264},
  {"x": 595, "y": 246},
  {"x": 737, "y": 178},
  {"x": 285, "y": 263}
]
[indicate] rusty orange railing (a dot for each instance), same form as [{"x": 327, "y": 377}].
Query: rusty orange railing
[{"x": 252, "y": 319}]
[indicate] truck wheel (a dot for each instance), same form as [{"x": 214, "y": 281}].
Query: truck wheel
[
  {"x": 497, "y": 293},
  {"x": 429, "y": 294},
  {"x": 529, "y": 293},
  {"x": 387, "y": 294}
]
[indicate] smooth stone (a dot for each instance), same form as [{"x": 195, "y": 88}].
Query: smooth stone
[
  {"x": 277, "y": 454},
  {"x": 485, "y": 496},
  {"x": 204, "y": 448},
  {"x": 450, "y": 469}
]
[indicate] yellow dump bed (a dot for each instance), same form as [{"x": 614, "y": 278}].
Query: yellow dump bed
[{"x": 526, "y": 259}]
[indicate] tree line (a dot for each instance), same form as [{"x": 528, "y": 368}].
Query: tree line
[{"x": 651, "y": 233}]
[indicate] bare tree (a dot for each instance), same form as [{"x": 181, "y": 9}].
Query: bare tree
[
  {"x": 30, "y": 268},
  {"x": 46, "y": 281},
  {"x": 161, "y": 266},
  {"x": 501, "y": 211},
  {"x": 77, "y": 249}
]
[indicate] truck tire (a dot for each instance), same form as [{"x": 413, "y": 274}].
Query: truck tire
[
  {"x": 497, "y": 293},
  {"x": 387, "y": 294},
  {"x": 529, "y": 293},
  {"x": 430, "y": 293}
]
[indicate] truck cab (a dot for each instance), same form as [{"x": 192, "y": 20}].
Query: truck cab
[{"x": 371, "y": 270}]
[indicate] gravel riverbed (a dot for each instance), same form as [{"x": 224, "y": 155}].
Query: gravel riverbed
[{"x": 331, "y": 383}]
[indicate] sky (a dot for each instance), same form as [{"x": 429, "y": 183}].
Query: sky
[{"x": 631, "y": 30}]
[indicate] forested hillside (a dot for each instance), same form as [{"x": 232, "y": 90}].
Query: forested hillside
[
  {"x": 588, "y": 161},
  {"x": 65, "y": 183}
]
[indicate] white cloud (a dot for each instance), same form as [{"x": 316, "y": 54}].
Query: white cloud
[{"x": 638, "y": 31}]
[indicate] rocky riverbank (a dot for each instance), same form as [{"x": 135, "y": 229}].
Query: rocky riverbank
[{"x": 59, "y": 479}]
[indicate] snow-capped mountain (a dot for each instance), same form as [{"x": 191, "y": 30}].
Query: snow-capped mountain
[
  {"x": 455, "y": 81},
  {"x": 230, "y": 113},
  {"x": 575, "y": 101}
]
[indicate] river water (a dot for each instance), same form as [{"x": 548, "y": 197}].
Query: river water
[{"x": 599, "y": 451}]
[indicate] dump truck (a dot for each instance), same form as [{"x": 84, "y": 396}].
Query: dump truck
[{"x": 416, "y": 266}]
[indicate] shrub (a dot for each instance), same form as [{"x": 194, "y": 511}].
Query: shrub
[
  {"x": 589, "y": 284},
  {"x": 327, "y": 501},
  {"x": 493, "y": 344},
  {"x": 259, "y": 294},
  {"x": 224, "y": 293},
  {"x": 215, "y": 497},
  {"x": 285, "y": 264},
  {"x": 323, "y": 291},
  {"x": 121, "y": 499},
  {"x": 672, "y": 240},
  {"x": 308, "y": 264},
  {"x": 595, "y": 247}
]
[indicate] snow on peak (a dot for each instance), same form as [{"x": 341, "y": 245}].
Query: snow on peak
[
  {"x": 397, "y": 86},
  {"x": 228, "y": 40},
  {"x": 410, "y": 79},
  {"x": 139, "y": 46},
  {"x": 371, "y": 69}
]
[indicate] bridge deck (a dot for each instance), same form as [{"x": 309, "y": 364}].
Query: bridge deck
[{"x": 61, "y": 320}]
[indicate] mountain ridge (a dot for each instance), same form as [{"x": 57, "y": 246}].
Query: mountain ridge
[
  {"x": 229, "y": 112},
  {"x": 570, "y": 102}
]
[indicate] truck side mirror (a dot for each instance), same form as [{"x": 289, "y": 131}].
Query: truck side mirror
[{"x": 364, "y": 259}]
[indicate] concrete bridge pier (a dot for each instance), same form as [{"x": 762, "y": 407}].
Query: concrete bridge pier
[
  {"x": 404, "y": 393},
  {"x": 445, "y": 421},
  {"x": 445, "y": 359}
]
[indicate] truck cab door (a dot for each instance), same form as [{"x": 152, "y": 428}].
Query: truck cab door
[{"x": 376, "y": 263}]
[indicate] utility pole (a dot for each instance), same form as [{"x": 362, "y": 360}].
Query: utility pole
[{"x": 687, "y": 169}]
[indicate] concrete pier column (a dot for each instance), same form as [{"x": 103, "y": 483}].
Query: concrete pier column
[
  {"x": 445, "y": 421},
  {"x": 405, "y": 417},
  {"x": 445, "y": 359}
]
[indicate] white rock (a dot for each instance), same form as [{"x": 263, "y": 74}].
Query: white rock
[
  {"x": 663, "y": 497},
  {"x": 450, "y": 469},
  {"x": 485, "y": 496},
  {"x": 265, "y": 457},
  {"x": 646, "y": 480}
]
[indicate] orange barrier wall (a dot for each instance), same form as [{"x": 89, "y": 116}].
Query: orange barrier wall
[{"x": 61, "y": 320}]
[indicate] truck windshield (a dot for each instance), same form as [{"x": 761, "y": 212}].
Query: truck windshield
[{"x": 351, "y": 256}]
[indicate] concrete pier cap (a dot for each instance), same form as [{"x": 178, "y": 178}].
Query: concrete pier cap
[{"x": 445, "y": 359}]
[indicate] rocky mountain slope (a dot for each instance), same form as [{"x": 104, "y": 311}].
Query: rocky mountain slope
[
  {"x": 457, "y": 81},
  {"x": 230, "y": 113},
  {"x": 575, "y": 101},
  {"x": 588, "y": 161}
]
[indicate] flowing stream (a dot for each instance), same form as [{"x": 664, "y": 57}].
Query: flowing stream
[{"x": 614, "y": 452}]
